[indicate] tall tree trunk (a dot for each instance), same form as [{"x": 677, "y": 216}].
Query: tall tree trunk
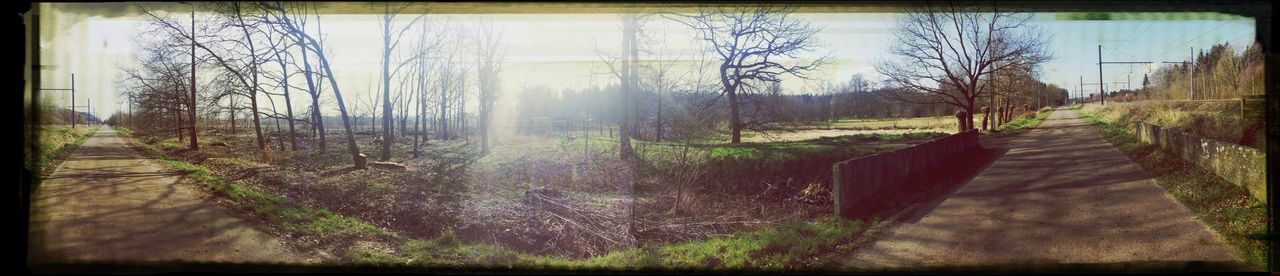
[
  {"x": 735, "y": 124},
  {"x": 417, "y": 113},
  {"x": 253, "y": 91},
  {"x": 232, "y": 102},
  {"x": 462, "y": 105},
  {"x": 192, "y": 102},
  {"x": 624, "y": 135},
  {"x": 315, "y": 99},
  {"x": 658, "y": 129},
  {"x": 444, "y": 105},
  {"x": 356, "y": 157},
  {"x": 288, "y": 104},
  {"x": 387, "y": 137}
]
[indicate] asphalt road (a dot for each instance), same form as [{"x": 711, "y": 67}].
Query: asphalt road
[
  {"x": 1060, "y": 194},
  {"x": 108, "y": 203}
]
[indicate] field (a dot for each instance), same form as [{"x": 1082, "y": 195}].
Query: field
[
  {"x": 561, "y": 199},
  {"x": 890, "y": 126}
]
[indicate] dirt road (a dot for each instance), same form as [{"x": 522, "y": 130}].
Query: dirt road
[
  {"x": 1060, "y": 194},
  {"x": 108, "y": 203}
]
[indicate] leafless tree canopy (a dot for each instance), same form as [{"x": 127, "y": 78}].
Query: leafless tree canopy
[
  {"x": 943, "y": 54},
  {"x": 754, "y": 43}
]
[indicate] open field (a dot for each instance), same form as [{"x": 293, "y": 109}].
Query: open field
[{"x": 537, "y": 197}]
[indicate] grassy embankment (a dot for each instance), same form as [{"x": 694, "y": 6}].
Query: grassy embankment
[
  {"x": 1223, "y": 206},
  {"x": 56, "y": 144},
  {"x": 769, "y": 247},
  {"x": 1219, "y": 120}
]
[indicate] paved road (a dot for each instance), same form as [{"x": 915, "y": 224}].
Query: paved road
[
  {"x": 109, "y": 203},
  {"x": 1061, "y": 194}
]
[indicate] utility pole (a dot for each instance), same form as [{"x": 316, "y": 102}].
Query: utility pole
[
  {"x": 73, "y": 97},
  {"x": 73, "y": 100},
  {"x": 1102, "y": 92}
]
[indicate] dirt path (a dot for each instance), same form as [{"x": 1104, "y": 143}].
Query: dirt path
[
  {"x": 1060, "y": 194},
  {"x": 109, "y": 203}
]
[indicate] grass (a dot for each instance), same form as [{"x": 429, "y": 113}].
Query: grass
[
  {"x": 291, "y": 218},
  {"x": 1225, "y": 207},
  {"x": 56, "y": 144},
  {"x": 1022, "y": 123},
  {"x": 1216, "y": 120},
  {"x": 781, "y": 246},
  {"x": 940, "y": 122}
]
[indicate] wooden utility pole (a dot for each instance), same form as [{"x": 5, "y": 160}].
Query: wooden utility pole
[
  {"x": 73, "y": 100},
  {"x": 1102, "y": 93}
]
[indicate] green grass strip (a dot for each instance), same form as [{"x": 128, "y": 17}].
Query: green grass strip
[{"x": 319, "y": 223}]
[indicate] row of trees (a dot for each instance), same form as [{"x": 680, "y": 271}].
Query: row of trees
[
  {"x": 1219, "y": 73},
  {"x": 963, "y": 57},
  {"x": 257, "y": 52},
  {"x": 942, "y": 56}
]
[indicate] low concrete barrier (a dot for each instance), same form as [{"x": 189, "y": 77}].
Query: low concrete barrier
[
  {"x": 1240, "y": 165},
  {"x": 855, "y": 182}
]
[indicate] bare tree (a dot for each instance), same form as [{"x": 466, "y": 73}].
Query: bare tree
[
  {"x": 752, "y": 43},
  {"x": 389, "y": 44},
  {"x": 623, "y": 67},
  {"x": 281, "y": 16},
  {"x": 490, "y": 56},
  {"x": 662, "y": 82},
  {"x": 943, "y": 54}
]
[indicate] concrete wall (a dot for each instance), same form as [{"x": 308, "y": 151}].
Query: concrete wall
[
  {"x": 1243, "y": 166},
  {"x": 856, "y": 181}
]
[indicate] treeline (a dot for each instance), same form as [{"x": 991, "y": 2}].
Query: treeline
[
  {"x": 1219, "y": 73},
  {"x": 689, "y": 114},
  {"x": 244, "y": 68}
]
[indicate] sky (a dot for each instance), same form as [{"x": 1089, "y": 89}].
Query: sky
[{"x": 555, "y": 50}]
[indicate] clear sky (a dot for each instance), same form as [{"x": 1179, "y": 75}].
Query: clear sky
[{"x": 554, "y": 50}]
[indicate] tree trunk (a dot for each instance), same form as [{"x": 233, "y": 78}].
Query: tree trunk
[
  {"x": 624, "y": 127},
  {"x": 658, "y": 130},
  {"x": 315, "y": 99},
  {"x": 444, "y": 105},
  {"x": 191, "y": 112},
  {"x": 387, "y": 139},
  {"x": 232, "y": 103},
  {"x": 734, "y": 124},
  {"x": 288, "y": 104}
]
